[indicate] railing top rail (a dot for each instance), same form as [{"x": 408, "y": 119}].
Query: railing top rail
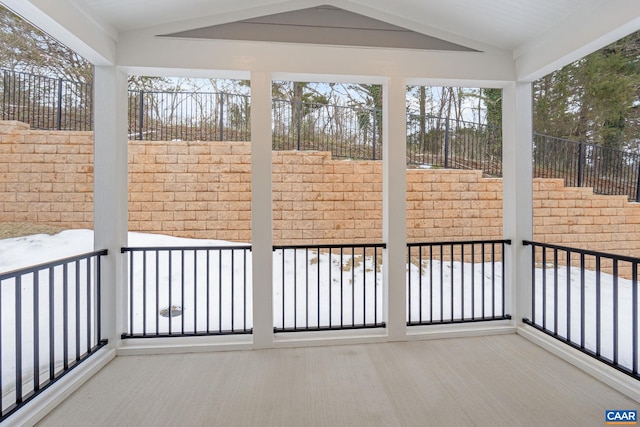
[
  {"x": 461, "y": 242},
  {"x": 185, "y": 248},
  {"x": 44, "y": 266},
  {"x": 336, "y": 246},
  {"x": 583, "y": 251}
]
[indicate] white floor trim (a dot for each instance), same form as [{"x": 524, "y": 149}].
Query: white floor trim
[
  {"x": 608, "y": 375},
  {"x": 41, "y": 405}
]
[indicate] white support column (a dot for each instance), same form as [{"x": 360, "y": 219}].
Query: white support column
[
  {"x": 261, "y": 200},
  {"x": 394, "y": 210},
  {"x": 110, "y": 194},
  {"x": 517, "y": 172}
]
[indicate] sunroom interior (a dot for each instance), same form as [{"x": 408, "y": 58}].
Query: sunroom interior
[{"x": 489, "y": 44}]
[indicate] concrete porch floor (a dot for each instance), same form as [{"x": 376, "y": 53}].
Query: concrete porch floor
[{"x": 501, "y": 380}]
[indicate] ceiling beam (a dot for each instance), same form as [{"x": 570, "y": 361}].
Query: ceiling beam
[
  {"x": 584, "y": 33},
  {"x": 75, "y": 27}
]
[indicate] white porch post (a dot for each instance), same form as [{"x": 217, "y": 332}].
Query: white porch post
[
  {"x": 261, "y": 200},
  {"x": 517, "y": 172},
  {"x": 110, "y": 194},
  {"x": 394, "y": 210}
]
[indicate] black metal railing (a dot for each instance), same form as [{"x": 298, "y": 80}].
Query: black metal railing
[
  {"x": 188, "y": 291},
  {"x": 588, "y": 300},
  {"x": 455, "y": 282},
  {"x": 49, "y": 324},
  {"x": 188, "y": 116},
  {"x": 347, "y": 132},
  {"x": 327, "y": 287},
  {"x": 45, "y": 102},
  {"x": 606, "y": 170},
  {"x": 448, "y": 143}
]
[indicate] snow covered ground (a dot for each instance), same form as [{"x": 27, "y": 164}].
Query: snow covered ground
[{"x": 347, "y": 288}]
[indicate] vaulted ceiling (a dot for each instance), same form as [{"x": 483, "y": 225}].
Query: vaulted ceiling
[{"x": 535, "y": 35}]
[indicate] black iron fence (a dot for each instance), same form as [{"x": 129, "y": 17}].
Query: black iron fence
[
  {"x": 188, "y": 116},
  {"x": 347, "y": 132},
  {"x": 325, "y": 287},
  {"x": 188, "y": 291},
  {"x": 607, "y": 170},
  {"x": 49, "y": 324},
  {"x": 443, "y": 142},
  {"x": 456, "y": 282},
  {"x": 581, "y": 298},
  {"x": 45, "y": 102}
]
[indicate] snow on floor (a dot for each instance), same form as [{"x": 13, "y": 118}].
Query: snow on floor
[{"x": 347, "y": 289}]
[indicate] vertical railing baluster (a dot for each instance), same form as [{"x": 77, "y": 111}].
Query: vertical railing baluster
[
  {"x": 462, "y": 281},
  {"x": 65, "y": 316},
  {"x": 233, "y": 291},
  {"x": 98, "y": 299},
  {"x": 89, "y": 305},
  {"x": 341, "y": 287},
  {"x": 483, "y": 284},
  {"x": 1, "y": 345},
  {"x": 144, "y": 292},
  {"x": 431, "y": 299},
  {"x": 306, "y": 284},
  {"x": 568, "y": 295},
  {"x": 36, "y": 331},
  {"x": 219, "y": 291},
  {"x": 284, "y": 285},
  {"x": 208, "y": 291},
  {"x": 544, "y": 288},
  {"x": 555, "y": 291},
  {"x": 582, "y": 302},
  {"x": 182, "y": 283},
  {"x": 598, "y": 307},
  {"x": 441, "y": 282},
  {"x": 615, "y": 311},
  {"x": 364, "y": 285},
  {"x": 451, "y": 269},
  {"x": 634, "y": 317},
  {"x": 493, "y": 280},
  {"x": 244, "y": 277},
  {"x": 504, "y": 308},
  {"x": 330, "y": 286},
  {"x": 18, "y": 338},
  {"x": 77, "y": 300},
  {"x": 409, "y": 292},
  {"x": 195, "y": 291},
  {"x": 131, "y": 293},
  {"x": 375, "y": 284},
  {"x": 473, "y": 280},
  {"x": 170, "y": 286},
  {"x": 157, "y": 306}
]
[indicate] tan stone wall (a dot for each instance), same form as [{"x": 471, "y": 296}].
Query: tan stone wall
[
  {"x": 203, "y": 190},
  {"x": 46, "y": 177},
  {"x": 191, "y": 189}
]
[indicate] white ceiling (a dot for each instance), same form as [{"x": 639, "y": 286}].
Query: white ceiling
[
  {"x": 502, "y": 24},
  {"x": 492, "y": 41}
]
